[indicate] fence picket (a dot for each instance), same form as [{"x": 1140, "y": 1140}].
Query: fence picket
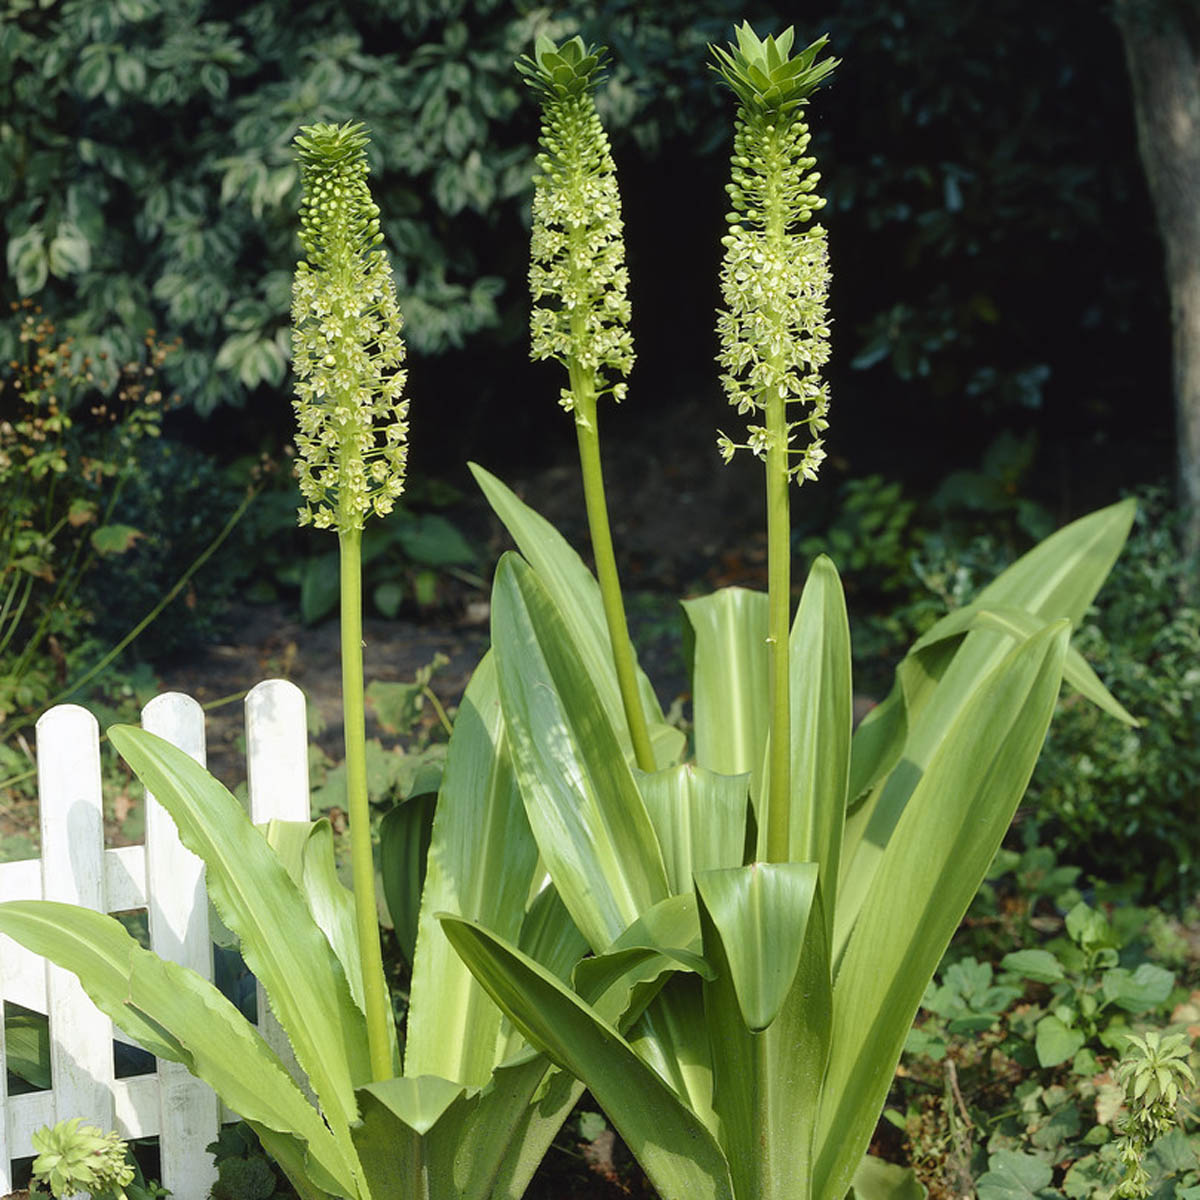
[
  {"x": 178, "y": 910},
  {"x": 277, "y": 779},
  {"x": 72, "y": 831},
  {"x": 167, "y": 880}
]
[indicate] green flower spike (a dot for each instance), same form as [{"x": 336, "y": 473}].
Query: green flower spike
[
  {"x": 79, "y": 1158},
  {"x": 580, "y": 304},
  {"x": 774, "y": 330},
  {"x": 347, "y": 353},
  {"x": 352, "y": 440},
  {"x": 577, "y": 273}
]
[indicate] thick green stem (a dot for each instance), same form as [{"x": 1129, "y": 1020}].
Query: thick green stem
[
  {"x": 779, "y": 572},
  {"x": 779, "y": 592},
  {"x": 362, "y": 860},
  {"x": 583, "y": 388}
]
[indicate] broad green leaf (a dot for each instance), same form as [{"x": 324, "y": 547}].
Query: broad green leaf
[
  {"x": 729, "y": 681},
  {"x": 583, "y": 805},
  {"x": 821, "y": 724},
  {"x": 672, "y": 1037},
  {"x": 481, "y": 864},
  {"x": 674, "y": 1147},
  {"x": 27, "y": 1047},
  {"x": 960, "y": 805},
  {"x": 404, "y": 837},
  {"x": 700, "y": 819},
  {"x": 876, "y": 746},
  {"x": 879, "y": 1180},
  {"x": 577, "y": 595},
  {"x": 529, "y": 1140},
  {"x": 1018, "y": 625},
  {"x": 1038, "y": 965},
  {"x": 766, "y": 1081},
  {"x": 319, "y": 587},
  {"x": 256, "y": 898},
  {"x": 1055, "y": 1042},
  {"x": 434, "y": 541},
  {"x": 619, "y": 983},
  {"x": 1058, "y": 578},
  {"x": 306, "y": 850},
  {"x": 431, "y": 1139},
  {"x": 760, "y": 913},
  {"x": 177, "y": 1015}
]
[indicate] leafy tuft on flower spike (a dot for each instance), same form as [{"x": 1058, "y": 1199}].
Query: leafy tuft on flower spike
[
  {"x": 347, "y": 353},
  {"x": 774, "y": 328},
  {"x": 577, "y": 273},
  {"x": 79, "y": 1158},
  {"x": 763, "y": 75},
  {"x": 560, "y": 72}
]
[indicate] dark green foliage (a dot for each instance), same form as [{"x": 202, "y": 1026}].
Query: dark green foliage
[
  {"x": 146, "y": 180},
  {"x": 147, "y": 175},
  {"x": 178, "y": 499},
  {"x": 244, "y": 1171},
  {"x": 70, "y": 439}
]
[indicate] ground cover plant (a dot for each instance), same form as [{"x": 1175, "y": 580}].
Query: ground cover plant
[{"x": 727, "y": 950}]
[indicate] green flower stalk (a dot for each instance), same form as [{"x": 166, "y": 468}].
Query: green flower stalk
[
  {"x": 352, "y": 450},
  {"x": 79, "y": 1158},
  {"x": 580, "y": 313},
  {"x": 774, "y": 329}
]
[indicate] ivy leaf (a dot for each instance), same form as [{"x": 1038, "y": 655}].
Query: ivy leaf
[
  {"x": 1039, "y": 965},
  {"x": 114, "y": 539},
  {"x": 1139, "y": 991},
  {"x": 1012, "y": 1175},
  {"x": 1055, "y": 1042}
]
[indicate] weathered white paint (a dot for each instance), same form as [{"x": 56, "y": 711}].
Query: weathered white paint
[{"x": 161, "y": 876}]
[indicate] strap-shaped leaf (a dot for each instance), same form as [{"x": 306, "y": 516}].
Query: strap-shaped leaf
[
  {"x": 306, "y": 850},
  {"x": 1060, "y": 576},
  {"x": 257, "y": 899},
  {"x": 481, "y": 864},
  {"x": 577, "y": 594},
  {"x": 1020, "y": 624},
  {"x": 676, "y": 1150},
  {"x": 821, "y": 724},
  {"x": 427, "y": 1138},
  {"x": 729, "y": 681},
  {"x": 583, "y": 805},
  {"x": 672, "y": 1036},
  {"x": 700, "y": 819},
  {"x": 177, "y": 1015},
  {"x": 960, "y": 804},
  {"x": 767, "y": 1083},
  {"x": 1057, "y": 579},
  {"x": 760, "y": 915}
]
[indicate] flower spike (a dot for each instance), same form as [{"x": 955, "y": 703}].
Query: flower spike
[
  {"x": 577, "y": 272},
  {"x": 347, "y": 353},
  {"x": 774, "y": 329}
]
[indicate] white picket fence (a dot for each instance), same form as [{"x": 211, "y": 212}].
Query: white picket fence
[{"x": 160, "y": 877}]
